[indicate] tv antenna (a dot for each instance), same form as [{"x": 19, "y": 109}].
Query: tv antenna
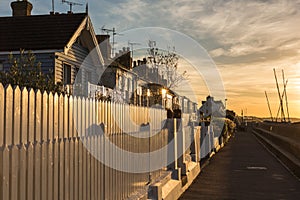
[
  {"x": 71, "y": 4},
  {"x": 113, "y": 31},
  {"x": 53, "y": 6},
  {"x": 131, "y": 44}
]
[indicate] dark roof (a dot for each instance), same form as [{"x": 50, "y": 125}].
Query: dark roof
[{"x": 38, "y": 32}]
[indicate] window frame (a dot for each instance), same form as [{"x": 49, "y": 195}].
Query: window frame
[{"x": 69, "y": 80}]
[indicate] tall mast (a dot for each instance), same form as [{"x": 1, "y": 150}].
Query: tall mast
[
  {"x": 286, "y": 99},
  {"x": 269, "y": 106},
  {"x": 280, "y": 99},
  {"x": 279, "y": 108}
]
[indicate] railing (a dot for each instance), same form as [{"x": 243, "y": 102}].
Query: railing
[{"x": 50, "y": 145}]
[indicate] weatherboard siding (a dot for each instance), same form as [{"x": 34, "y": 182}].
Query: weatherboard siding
[
  {"x": 46, "y": 60},
  {"x": 75, "y": 57}
]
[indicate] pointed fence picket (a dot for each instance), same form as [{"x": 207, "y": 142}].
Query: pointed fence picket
[{"x": 43, "y": 139}]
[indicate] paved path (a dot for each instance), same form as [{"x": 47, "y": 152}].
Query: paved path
[{"x": 244, "y": 169}]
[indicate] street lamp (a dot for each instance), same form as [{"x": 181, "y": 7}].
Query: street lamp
[
  {"x": 225, "y": 103},
  {"x": 148, "y": 95},
  {"x": 163, "y": 95}
]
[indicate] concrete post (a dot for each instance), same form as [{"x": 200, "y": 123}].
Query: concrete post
[
  {"x": 180, "y": 145},
  {"x": 211, "y": 137},
  {"x": 175, "y": 144},
  {"x": 195, "y": 146},
  {"x": 173, "y": 149}
]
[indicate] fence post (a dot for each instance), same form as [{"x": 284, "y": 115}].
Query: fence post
[
  {"x": 1, "y": 137},
  {"x": 23, "y": 142},
  {"x": 17, "y": 115},
  {"x": 173, "y": 151},
  {"x": 17, "y": 148},
  {"x": 9, "y": 116},
  {"x": 2, "y": 91},
  {"x": 37, "y": 145},
  {"x": 195, "y": 147},
  {"x": 45, "y": 146},
  {"x": 50, "y": 139},
  {"x": 175, "y": 144},
  {"x": 55, "y": 147},
  {"x": 181, "y": 145},
  {"x": 66, "y": 139},
  {"x": 72, "y": 140}
]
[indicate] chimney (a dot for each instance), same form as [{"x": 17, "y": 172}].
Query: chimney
[{"x": 21, "y": 8}]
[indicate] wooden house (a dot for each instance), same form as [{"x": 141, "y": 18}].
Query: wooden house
[{"x": 61, "y": 42}]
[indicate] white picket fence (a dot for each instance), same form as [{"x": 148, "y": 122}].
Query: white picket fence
[{"x": 42, "y": 155}]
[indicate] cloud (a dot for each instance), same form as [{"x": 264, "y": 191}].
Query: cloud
[
  {"x": 230, "y": 29},
  {"x": 225, "y": 28},
  {"x": 217, "y": 52},
  {"x": 246, "y": 38}
]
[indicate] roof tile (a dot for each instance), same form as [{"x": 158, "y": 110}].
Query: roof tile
[{"x": 38, "y": 32}]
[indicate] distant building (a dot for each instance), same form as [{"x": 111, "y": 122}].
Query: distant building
[
  {"x": 63, "y": 43},
  {"x": 60, "y": 42},
  {"x": 210, "y": 107}
]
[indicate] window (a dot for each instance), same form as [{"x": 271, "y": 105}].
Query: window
[
  {"x": 67, "y": 74},
  {"x": 125, "y": 84},
  {"x": 129, "y": 85},
  {"x": 120, "y": 82},
  {"x": 185, "y": 105}
]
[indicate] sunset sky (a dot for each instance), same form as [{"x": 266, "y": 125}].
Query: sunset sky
[{"x": 245, "y": 38}]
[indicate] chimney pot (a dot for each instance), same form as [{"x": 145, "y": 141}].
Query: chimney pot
[{"x": 21, "y": 8}]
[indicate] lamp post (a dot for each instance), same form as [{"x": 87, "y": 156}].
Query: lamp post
[
  {"x": 148, "y": 95},
  {"x": 163, "y": 95},
  {"x": 225, "y": 107},
  {"x": 139, "y": 93}
]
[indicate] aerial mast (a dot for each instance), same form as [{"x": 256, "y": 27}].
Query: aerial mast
[
  {"x": 113, "y": 31},
  {"x": 131, "y": 44},
  {"x": 71, "y": 4},
  {"x": 53, "y": 6}
]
